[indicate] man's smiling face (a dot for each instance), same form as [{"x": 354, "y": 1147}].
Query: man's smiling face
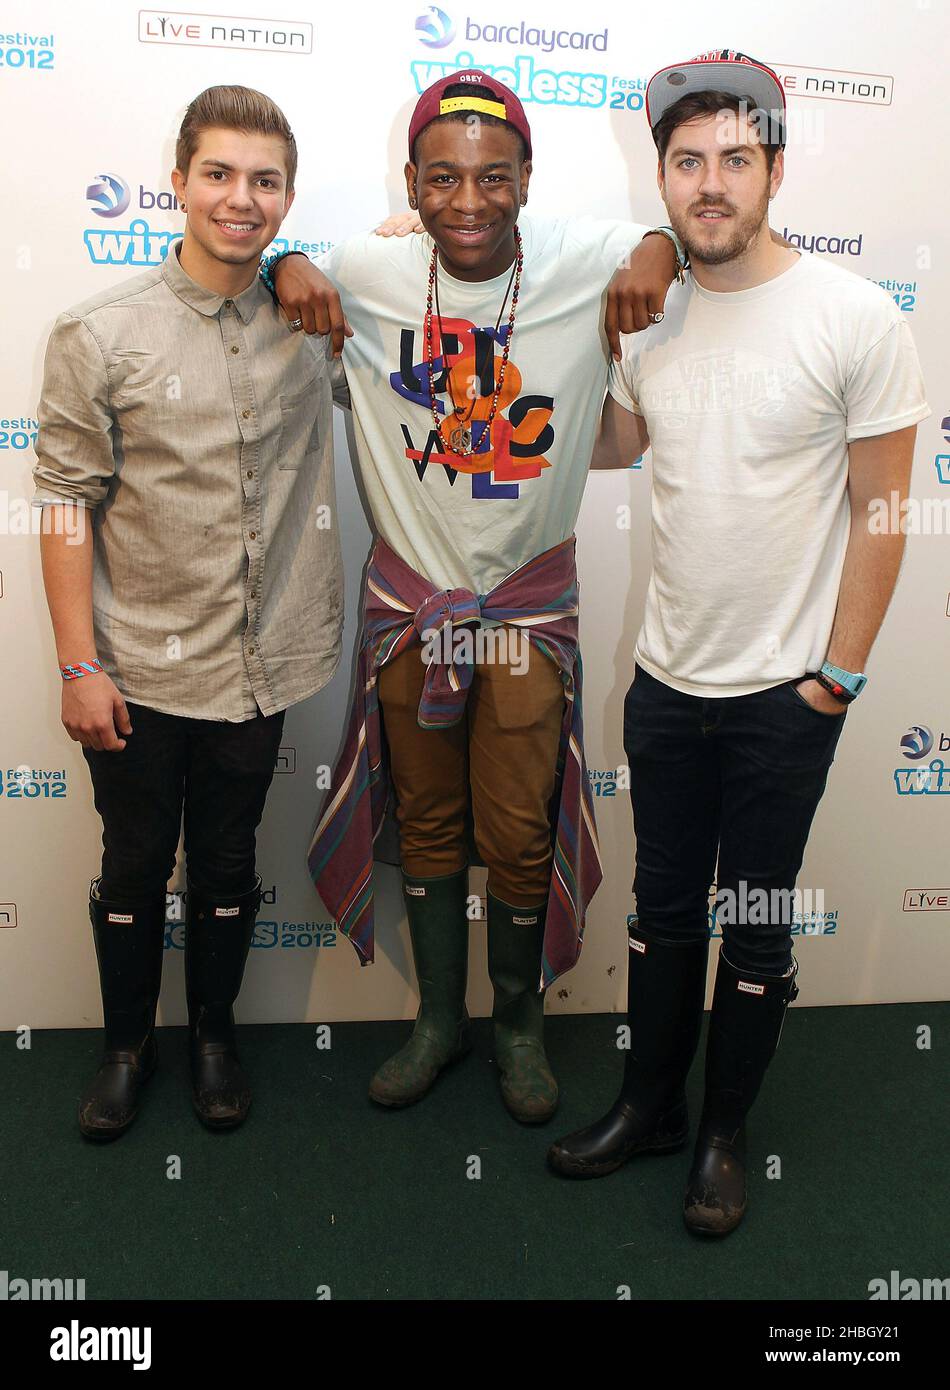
[
  {"x": 235, "y": 193},
  {"x": 469, "y": 192},
  {"x": 716, "y": 185}
]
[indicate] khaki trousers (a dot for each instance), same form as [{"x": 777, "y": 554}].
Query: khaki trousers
[{"x": 504, "y": 749}]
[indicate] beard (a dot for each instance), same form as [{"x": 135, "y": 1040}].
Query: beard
[{"x": 716, "y": 248}]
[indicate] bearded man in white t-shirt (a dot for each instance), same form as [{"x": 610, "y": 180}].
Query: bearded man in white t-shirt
[
  {"x": 779, "y": 395},
  {"x": 476, "y": 370}
]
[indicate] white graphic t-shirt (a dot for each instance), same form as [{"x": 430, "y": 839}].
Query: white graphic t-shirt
[
  {"x": 469, "y": 522},
  {"x": 751, "y": 399}
]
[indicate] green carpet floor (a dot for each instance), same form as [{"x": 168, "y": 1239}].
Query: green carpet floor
[{"x": 321, "y": 1188}]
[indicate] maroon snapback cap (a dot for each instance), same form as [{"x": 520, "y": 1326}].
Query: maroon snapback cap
[{"x": 489, "y": 97}]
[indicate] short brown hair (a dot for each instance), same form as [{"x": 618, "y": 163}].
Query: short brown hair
[
  {"x": 233, "y": 108},
  {"x": 708, "y": 104}
]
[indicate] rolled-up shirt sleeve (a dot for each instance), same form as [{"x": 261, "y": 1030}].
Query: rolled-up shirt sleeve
[
  {"x": 339, "y": 386},
  {"x": 75, "y": 459}
]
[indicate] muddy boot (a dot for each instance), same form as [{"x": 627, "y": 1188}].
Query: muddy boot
[
  {"x": 438, "y": 928},
  {"x": 515, "y": 937}
]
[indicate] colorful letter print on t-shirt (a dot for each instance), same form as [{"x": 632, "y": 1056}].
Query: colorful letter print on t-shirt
[{"x": 508, "y": 448}]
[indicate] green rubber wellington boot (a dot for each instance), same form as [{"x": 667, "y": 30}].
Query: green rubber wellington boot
[
  {"x": 438, "y": 927},
  {"x": 515, "y": 936}
]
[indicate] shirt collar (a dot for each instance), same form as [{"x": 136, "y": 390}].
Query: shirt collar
[{"x": 206, "y": 301}]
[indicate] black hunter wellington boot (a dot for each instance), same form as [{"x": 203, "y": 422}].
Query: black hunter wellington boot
[
  {"x": 130, "y": 941},
  {"x": 666, "y": 987},
  {"x": 744, "y": 1030},
  {"x": 438, "y": 928},
  {"x": 217, "y": 939}
]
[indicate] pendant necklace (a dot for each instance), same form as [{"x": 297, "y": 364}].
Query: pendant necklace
[{"x": 460, "y": 436}]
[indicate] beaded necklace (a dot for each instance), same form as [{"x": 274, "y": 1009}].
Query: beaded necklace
[{"x": 460, "y": 438}]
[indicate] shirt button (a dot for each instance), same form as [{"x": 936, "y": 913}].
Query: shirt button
[
  {"x": 253, "y": 535},
  {"x": 250, "y": 473},
  {"x": 250, "y": 651},
  {"x": 253, "y": 593},
  {"x": 245, "y": 414},
  {"x": 235, "y": 349},
  {"x": 227, "y": 304}
]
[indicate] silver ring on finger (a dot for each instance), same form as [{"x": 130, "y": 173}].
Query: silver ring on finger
[
  {"x": 295, "y": 324},
  {"x": 656, "y": 318}
]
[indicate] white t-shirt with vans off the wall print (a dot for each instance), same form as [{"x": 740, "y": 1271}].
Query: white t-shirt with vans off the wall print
[{"x": 751, "y": 399}]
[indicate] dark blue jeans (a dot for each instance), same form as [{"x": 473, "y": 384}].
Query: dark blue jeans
[
  {"x": 217, "y": 773},
  {"x": 737, "y": 777}
]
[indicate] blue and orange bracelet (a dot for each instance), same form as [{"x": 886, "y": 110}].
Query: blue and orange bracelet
[{"x": 82, "y": 668}]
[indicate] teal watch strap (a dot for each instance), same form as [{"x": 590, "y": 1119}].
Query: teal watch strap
[{"x": 847, "y": 685}]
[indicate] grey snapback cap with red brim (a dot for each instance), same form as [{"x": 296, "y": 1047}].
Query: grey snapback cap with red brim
[{"x": 721, "y": 70}]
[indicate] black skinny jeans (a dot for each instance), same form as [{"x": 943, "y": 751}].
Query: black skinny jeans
[
  {"x": 217, "y": 773},
  {"x": 739, "y": 777}
]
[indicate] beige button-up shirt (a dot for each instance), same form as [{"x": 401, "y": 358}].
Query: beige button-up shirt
[{"x": 199, "y": 430}]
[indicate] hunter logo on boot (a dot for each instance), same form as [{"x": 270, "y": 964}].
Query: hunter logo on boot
[
  {"x": 415, "y": 892},
  {"x": 120, "y": 917},
  {"x": 226, "y": 911},
  {"x": 750, "y": 989},
  {"x": 640, "y": 946}
]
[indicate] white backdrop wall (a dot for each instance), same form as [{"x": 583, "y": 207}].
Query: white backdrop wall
[{"x": 89, "y": 90}]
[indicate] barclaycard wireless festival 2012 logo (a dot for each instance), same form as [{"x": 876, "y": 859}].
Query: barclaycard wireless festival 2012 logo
[{"x": 435, "y": 29}]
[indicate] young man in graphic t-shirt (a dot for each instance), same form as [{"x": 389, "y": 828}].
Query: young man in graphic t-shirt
[
  {"x": 779, "y": 395},
  {"x": 476, "y": 370}
]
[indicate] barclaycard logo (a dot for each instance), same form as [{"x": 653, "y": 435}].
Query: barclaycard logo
[
  {"x": 917, "y": 742},
  {"x": 109, "y": 195},
  {"x": 835, "y": 244},
  {"x": 435, "y": 28}
]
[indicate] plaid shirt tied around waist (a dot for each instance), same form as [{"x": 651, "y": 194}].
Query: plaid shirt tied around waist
[{"x": 400, "y": 606}]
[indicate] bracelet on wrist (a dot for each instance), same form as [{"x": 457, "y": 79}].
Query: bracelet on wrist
[
  {"x": 682, "y": 257},
  {"x": 842, "y": 695},
  {"x": 81, "y": 668},
  {"x": 268, "y": 264}
]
